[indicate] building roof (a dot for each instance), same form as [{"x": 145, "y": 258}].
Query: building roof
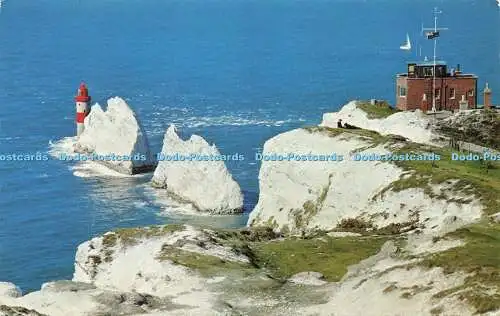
[
  {"x": 429, "y": 63},
  {"x": 461, "y": 75}
]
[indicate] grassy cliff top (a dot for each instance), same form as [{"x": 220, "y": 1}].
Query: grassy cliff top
[
  {"x": 379, "y": 111},
  {"x": 479, "y": 178}
]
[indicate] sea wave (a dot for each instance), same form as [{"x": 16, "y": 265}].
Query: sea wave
[
  {"x": 83, "y": 169},
  {"x": 90, "y": 169},
  {"x": 62, "y": 146},
  {"x": 169, "y": 206},
  {"x": 159, "y": 123}
]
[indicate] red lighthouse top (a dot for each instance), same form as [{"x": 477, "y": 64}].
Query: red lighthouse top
[{"x": 83, "y": 94}]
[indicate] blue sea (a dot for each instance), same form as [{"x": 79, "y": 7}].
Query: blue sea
[{"x": 234, "y": 72}]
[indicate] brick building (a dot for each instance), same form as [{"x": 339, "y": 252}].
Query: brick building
[{"x": 414, "y": 88}]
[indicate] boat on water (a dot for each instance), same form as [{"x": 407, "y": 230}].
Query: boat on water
[{"x": 407, "y": 45}]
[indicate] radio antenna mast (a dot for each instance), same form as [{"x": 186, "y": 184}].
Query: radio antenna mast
[{"x": 433, "y": 33}]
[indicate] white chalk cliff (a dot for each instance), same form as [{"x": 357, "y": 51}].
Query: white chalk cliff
[
  {"x": 190, "y": 271},
  {"x": 415, "y": 126},
  {"x": 141, "y": 271},
  {"x": 116, "y": 131},
  {"x": 308, "y": 195},
  {"x": 204, "y": 181},
  {"x": 116, "y": 282}
]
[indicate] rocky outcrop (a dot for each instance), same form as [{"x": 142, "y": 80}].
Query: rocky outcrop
[
  {"x": 350, "y": 187},
  {"x": 138, "y": 271},
  {"x": 194, "y": 171},
  {"x": 413, "y": 125},
  {"x": 75, "y": 298},
  {"x": 481, "y": 127},
  {"x": 386, "y": 285},
  {"x": 183, "y": 270},
  {"x": 116, "y": 139},
  {"x": 308, "y": 278},
  {"x": 8, "y": 289},
  {"x": 174, "y": 270}
]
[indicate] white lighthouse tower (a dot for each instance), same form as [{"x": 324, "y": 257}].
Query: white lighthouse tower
[{"x": 82, "y": 99}]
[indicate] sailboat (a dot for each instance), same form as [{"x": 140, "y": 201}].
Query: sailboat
[{"x": 407, "y": 45}]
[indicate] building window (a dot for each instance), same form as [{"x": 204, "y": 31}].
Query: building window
[
  {"x": 452, "y": 93},
  {"x": 471, "y": 93},
  {"x": 402, "y": 91},
  {"x": 437, "y": 94},
  {"x": 428, "y": 71}
]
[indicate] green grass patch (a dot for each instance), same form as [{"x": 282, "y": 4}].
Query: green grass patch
[
  {"x": 480, "y": 257},
  {"x": 130, "y": 236},
  {"x": 378, "y": 111},
  {"x": 364, "y": 227},
  {"x": 282, "y": 258},
  {"x": 329, "y": 131},
  {"x": 327, "y": 255},
  {"x": 372, "y": 137},
  {"x": 206, "y": 265},
  {"x": 246, "y": 235}
]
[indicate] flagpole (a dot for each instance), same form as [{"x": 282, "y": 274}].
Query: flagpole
[{"x": 434, "y": 65}]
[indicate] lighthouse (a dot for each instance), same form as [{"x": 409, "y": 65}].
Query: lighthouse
[{"x": 82, "y": 99}]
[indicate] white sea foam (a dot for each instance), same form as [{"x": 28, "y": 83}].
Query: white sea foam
[
  {"x": 158, "y": 121},
  {"x": 140, "y": 204},
  {"x": 170, "y": 206},
  {"x": 89, "y": 169},
  {"x": 10, "y": 138},
  {"x": 82, "y": 169},
  {"x": 62, "y": 146}
]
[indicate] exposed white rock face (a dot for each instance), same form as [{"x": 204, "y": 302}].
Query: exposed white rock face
[
  {"x": 63, "y": 298},
  {"x": 145, "y": 262},
  {"x": 383, "y": 285},
  {"x": 116, "y": 131},
  {"x": 308, "y": 278},
  {"x": 307, "y": 195},
  {"x": 152, "y": 271},
  {"x": 9, "y": 290},
  {"x": 344, "y": 234},
  {"x": 128, "y": 275},
  {"x": 496, "y": 217},
  {"x": 205, "y": 183},
  {"x": 104, "y": 262},
  {"x": 412, "y": 125}
]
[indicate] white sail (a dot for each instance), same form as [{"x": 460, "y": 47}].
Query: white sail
[{"x": 407, "y": 45}]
